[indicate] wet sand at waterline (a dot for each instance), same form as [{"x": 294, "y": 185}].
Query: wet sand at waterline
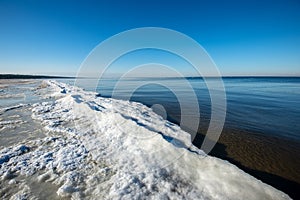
[{"x": 273, "y": 160}]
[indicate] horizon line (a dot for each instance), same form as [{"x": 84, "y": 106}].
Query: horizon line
[{"x": 41, "y": 76}]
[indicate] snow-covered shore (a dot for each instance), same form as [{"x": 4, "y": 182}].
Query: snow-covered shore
[{"x": 101, "y": 148}]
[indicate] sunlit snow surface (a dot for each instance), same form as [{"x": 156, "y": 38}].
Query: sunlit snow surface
[{"x": 101, "y": 148}]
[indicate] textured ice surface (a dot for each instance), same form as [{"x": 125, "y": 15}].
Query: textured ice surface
[{"x": 101, "y": 148}]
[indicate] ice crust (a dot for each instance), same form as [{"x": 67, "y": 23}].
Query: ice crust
[{"x": 102, "y": 148}]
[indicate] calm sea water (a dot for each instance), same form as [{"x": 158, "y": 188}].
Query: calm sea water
[{"x": 264, "y": 105}]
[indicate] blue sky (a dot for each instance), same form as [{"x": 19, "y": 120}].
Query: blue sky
[{"x": 242, "y": 37}]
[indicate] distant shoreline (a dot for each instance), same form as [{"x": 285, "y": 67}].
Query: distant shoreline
[{"x": 21, "y": 76}]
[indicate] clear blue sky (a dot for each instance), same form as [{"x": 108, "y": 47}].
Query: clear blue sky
[{"x": 243, "y": 37}]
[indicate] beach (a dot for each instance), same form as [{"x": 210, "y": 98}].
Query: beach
[{"x": 95, "y": 147}]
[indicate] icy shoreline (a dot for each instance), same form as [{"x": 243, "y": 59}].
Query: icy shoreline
[{"x": 111, "y": 149}]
